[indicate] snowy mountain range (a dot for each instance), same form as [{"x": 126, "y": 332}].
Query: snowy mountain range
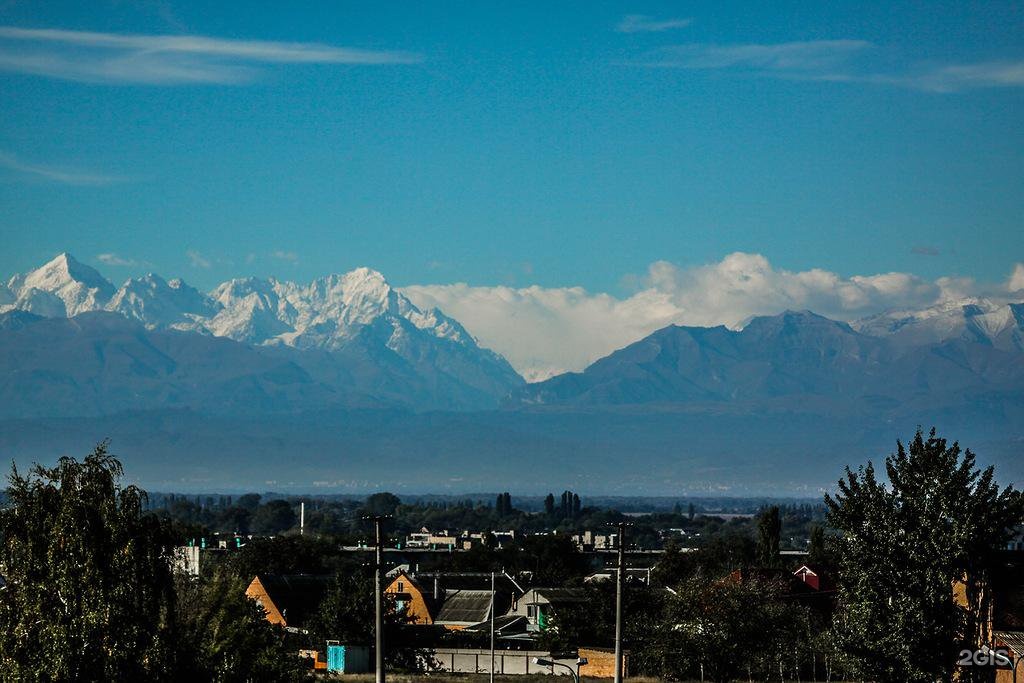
[
  {"x": 326, "y": 314},
  {"x": 359, "y": 330}
]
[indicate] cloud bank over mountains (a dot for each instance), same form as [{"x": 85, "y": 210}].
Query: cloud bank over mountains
[{"x": 544, "y": 331}]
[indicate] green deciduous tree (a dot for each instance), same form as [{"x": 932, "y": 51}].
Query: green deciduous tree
[
  {"x": 89, "y": 593},
  {"x": 347, "y": 615},
  {"x": 384, "y": 504},
  {"x": 726, "y": 630},
  {"x": 769, "y": 531},
  {"x": 818, "y": 546},
  {"x": 225, "y": 636},
  {"x": 904, "y": 545},
  {"x": 274, "y": 517}
]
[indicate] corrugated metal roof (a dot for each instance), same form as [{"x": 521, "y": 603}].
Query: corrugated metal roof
[
  {"x": 1011, "y": 639},
  {"x": 464, "y": 607}
]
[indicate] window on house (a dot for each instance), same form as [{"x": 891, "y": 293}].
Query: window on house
[
  {"x": 531, "y": 611},
  {"x": 401, "y": 587}
]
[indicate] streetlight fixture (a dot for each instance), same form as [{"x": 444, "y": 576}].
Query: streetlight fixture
[{"x": 580, "y": 661}]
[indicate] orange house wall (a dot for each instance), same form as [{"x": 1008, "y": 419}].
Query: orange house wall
[
  {"x": 417, "y": 607},
  {"x": 257, "y": 592}
]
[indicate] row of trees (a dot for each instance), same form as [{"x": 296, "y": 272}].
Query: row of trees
[{"x": 569, "y": 505}]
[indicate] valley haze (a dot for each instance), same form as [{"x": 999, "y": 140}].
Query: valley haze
[{"x": 347, "y": 384}]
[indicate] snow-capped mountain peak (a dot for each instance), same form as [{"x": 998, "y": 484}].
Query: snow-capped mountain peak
[
  {"x": 355, "y": 298},
  {"x": 76, "y": 286},
  {"x": 161, "y": 303}
]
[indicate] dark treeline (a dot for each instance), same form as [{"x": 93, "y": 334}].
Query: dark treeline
[
  {"x": 251, "y": 514},
  {"x": 701, "y": 504}
]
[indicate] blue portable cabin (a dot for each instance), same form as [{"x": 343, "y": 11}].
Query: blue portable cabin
[{"x": 348, "y": 659}]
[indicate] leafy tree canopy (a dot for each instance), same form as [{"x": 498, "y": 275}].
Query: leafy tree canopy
[
  {"x": 89, "y": 592},
  {"x": 903, "y": 545}
]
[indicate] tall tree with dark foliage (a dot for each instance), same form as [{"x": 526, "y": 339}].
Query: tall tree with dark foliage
[{"x": 902, "y": 548}]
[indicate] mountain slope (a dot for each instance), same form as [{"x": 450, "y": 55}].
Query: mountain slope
[
  {"x": 99, "y": 363},
  {"x": 796, "y": 359}
]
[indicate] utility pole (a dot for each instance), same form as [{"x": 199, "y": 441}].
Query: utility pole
[
  {"x": 492, "y": 627},
  {"x": 620, "y": 582},
  {"x": 378, "y": 598}
]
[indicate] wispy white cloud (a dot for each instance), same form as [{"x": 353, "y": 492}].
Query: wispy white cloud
[
  {"x": 289, "y": 256},
  {"x": 164, "y": 59},
  {"x": 813, "y": 57},
  {"x": 547, "y": 330},
  {"x": 640, "y": 23},
  {"x": 56, "y": 174},
  {"x": 849, "y": 61},
  {"x": 197, "y": 259},
  {"x": 111, "y": 259},
  {"x": 957, "y": 77}
]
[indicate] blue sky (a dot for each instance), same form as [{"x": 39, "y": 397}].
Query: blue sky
[{"x": 512, "y": 144}]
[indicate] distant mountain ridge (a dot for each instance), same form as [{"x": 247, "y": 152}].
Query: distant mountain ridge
[
  {"x": 375, "y": 338},
  {"x": 785, "y": 361}
]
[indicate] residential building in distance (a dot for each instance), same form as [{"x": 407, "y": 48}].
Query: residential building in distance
[
  {"x": 463, "y": 607},
  {"x": 289, "y": 600},
  {"x": 589, "y": 541},
  {"x": 538, "y": 604},
  {"x": 425, "y": 538}
]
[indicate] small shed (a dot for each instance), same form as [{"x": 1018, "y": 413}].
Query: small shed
[{"x": 348, "y": 659}]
